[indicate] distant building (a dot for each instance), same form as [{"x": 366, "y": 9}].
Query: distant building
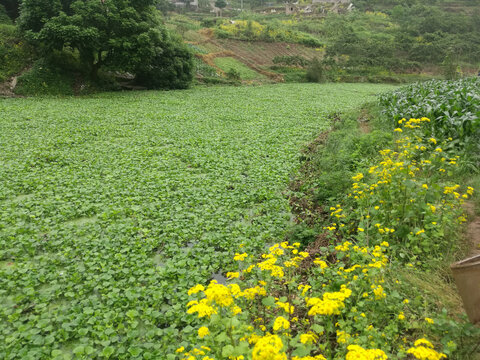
[
  {"x": 331, "y": 1},
  {"x": 293, "y": 8}
]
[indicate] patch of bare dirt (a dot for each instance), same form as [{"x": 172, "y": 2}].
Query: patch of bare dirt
[
  {"x": 6, "y": 88},
  {"x": 473, "y": 229},
  {"x": 363, "y": 122}
]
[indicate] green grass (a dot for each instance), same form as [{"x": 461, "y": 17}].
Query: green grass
[
  {"x": 112, "y": 206},
  {"x": 227, "y": 63}
]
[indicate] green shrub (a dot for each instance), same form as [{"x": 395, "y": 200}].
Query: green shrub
[
  {"x": 4, "y": 18},
  {"x": 45, "y": 79},
  {"x": 171, "y": 68},
  {"x": 316, "y": 72},
  {"x": 15, "y": 55},
  {"x": 233, "y": 74}
]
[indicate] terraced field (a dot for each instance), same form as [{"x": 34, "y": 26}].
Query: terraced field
[{"x": 111, "y": 206}]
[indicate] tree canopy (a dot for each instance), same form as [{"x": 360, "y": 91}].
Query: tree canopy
[{"x": 124, "y": 35}]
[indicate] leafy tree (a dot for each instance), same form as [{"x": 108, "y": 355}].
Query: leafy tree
[
  {"x": 12, "y": 8},
  {"x": 220, "y": 4},
  {"x": 122, "y": 35},
  {"x": 4, "y": 18}
]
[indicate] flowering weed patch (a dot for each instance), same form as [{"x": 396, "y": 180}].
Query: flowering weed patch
[
  {"x": 337, "y": 304},
  {"x": 408, "y": 198},
  {"x": 288, "y": 305}
]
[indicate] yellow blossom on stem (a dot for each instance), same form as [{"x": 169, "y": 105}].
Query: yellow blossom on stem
[
  {"x": 281, "y": 323},
  {"x": 203, "y": 331},
  {"x": 268, "y": 347},
  {"x": 240, "y": 257}
]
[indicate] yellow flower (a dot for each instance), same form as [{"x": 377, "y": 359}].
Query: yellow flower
[
  {"x": 268, "y": 347},
  {"x": 424, "y": 350},
  {"x": 196, "y": 289},
  {"x": 406, "y": 301},
  {"x": 240, "y": 257},
  {"x": 309, "y": 338},
  {"x": 281, "y": 323},
  {"x": 201, "y": 307},
  {"x": 401, "y": 316},
  {"x": 219, "y": 294},
  {"x": 233, "y": 275},
  {"x": 356, "y": 352},
  {"x": 181, "y": 349},
  {"x": 379, "y": 293},
  {"x": 360, "y": 229},
  {"x": 398, "y": 130},
  {"x": 429, "y": 320},
  {"x": 425, "y": 186},
  {"x": 286, "y": 306},
  {"x": 236, "y": 310},
  {"x": 357, "y": 177},
  {"x": 342, "y": 337},
  {"x": 433, "y": 141},
  {"x": 203, "y": 331}
]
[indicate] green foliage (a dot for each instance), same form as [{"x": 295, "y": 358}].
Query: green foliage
[
  {"x": 170, "y": 68},
  {"x": 220, "y": 4},
  {"x": 120, "y": 35},
  {"x": 4, "y": 19},
  {"x": 290, "y": 74},
  {"x": 45, "y": 79},
  {"x": 113, "y": 205},
  {"x": 452, "y": 106},
  {"x": 315, "y": 71},
  {"x": 12, "y": 8},
  {"x": 15, "y": 55},
  {"x": 291, "y": 60},
  {"x": 233, "y": 74},
  {"x": 272, "y": 31},
  {"x": 228, "y": 64},
  {"x": 345, "y": 151}
]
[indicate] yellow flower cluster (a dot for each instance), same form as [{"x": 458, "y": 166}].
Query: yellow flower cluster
[
  {"x": 192, "y": 354},
  {"x": 356, "y": 352},
  {"x": 423, "y": 350},
  {"x": 269, "y": 347},
  {"x": 302, "y": 312},
  {"x": 238, "y": 26},
  {"x": 331, "y": 303}
]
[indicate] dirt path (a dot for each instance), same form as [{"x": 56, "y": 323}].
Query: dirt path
[
  {"x": 6, "y": 88},
  {"x": 473, "y": 229}
]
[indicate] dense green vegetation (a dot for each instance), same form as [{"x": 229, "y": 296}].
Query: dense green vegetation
[
  {"x": 82, "y": 42},
  {"x": 379, "y": 41},
  {"x": 14, "y": 55},
  {"x": 112, "y": 206},
  {"x": 232, "y": 65},
  {"x": 453, "y": 107},
  {"x": 381, "y": 218}
]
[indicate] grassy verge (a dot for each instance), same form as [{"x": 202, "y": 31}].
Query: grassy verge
[{"x": 229, "y": 64}]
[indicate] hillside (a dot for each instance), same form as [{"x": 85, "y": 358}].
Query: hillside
[{"x": 377, "y": 41}]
